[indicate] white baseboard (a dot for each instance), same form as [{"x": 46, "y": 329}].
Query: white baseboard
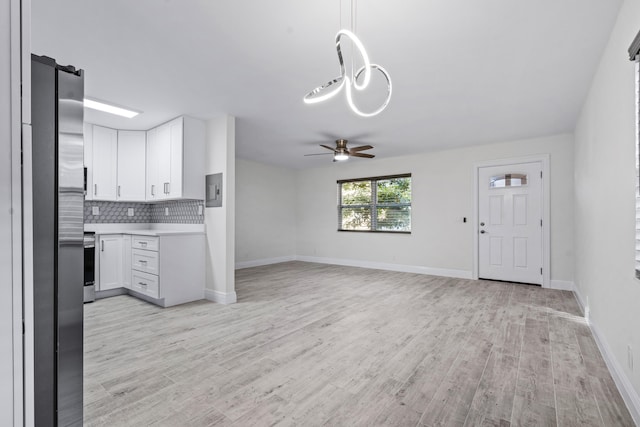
[
  {"x": 581, "y": 302},
  {"x": 629, "y": 394},
  {"x": 562, "y": 285},
  {"x": 220, "y": 297},
  {"x": 459, "y": 274},
  {"x": 264, "y": 261}
]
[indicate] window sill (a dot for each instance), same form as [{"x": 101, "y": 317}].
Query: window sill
[{"x": 375, "y": 231}]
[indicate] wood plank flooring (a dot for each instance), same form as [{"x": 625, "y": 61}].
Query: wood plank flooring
[{"x": 310, "y": 344}]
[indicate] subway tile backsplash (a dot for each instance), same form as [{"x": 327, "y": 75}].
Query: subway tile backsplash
[{"x": 170, "y": 212}]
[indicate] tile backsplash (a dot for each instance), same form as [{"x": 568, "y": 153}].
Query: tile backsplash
[{"x": 171, "y": 212}]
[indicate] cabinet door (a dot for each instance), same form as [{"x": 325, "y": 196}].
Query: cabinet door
[
  {"x": 164, "y": 160},
  {"x": 131, "y": 165},
  {"x": 174, "y": 189},
  {"x": 105, "y": 161},
  {"x": 126, "y": 261},
  {"x": 158, "y": 162},
  {"x": 152, "y": 165},
  {"x": 110, "y": 262},
  {"x": 87, "y": 132}
]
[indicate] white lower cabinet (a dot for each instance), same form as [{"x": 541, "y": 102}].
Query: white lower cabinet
[
  {"x": 145, "y": 283},
  {"x": 126, "y": 261},
  {"x": 165, "y": 270},
  {"x": 110, "y": 259},
  {"x": 168, "y": 268}
]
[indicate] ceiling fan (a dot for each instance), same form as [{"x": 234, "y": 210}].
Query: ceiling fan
[{"x": 341, "y": 152}]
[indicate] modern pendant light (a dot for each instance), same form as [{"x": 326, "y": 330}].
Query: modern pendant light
[{"x": 331, "y": 88}]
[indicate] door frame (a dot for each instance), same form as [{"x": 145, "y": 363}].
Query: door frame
[{"x": 543, "y": 159}]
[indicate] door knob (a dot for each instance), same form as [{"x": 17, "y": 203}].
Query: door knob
[
  {"x": 482, "y": 223},
  {"x": 482, "y": 231}
]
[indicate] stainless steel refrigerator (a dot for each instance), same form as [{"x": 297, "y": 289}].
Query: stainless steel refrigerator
[{"x": 57, "y": 94}]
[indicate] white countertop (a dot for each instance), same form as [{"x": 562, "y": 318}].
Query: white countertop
[{"x": 146, "y": 229}]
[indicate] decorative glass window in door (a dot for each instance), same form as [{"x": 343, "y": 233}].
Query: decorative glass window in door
[{"x": 508, "y": 180}]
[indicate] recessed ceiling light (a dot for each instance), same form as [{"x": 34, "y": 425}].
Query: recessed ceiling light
[{"x": 108, "y": 108}]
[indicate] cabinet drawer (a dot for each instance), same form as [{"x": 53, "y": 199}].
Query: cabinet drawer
[
  {"x": 145, "y": 283},
  {"x": 146, "y": 261},
  {"x": 149, "y": 243}
]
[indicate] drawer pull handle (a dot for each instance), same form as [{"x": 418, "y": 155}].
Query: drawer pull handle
[
  {"x": 143, "y": 243},
  {"x": 142, "y": 284},
  {"x": 142, "y": 261}
]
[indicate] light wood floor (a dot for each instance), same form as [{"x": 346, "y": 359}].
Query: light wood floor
[{"x": 310, "y": 344}]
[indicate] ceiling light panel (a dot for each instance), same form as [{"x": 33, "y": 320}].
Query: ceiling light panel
[{"x": 108, "y": 108}]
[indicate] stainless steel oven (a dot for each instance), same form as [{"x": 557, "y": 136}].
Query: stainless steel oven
[{"x": 89, "y": 266}]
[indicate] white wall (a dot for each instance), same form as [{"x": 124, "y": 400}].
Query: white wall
[
  {"x": 442, "y": 195},
  {"x": 220, "y": 221},
  {"x": 265, "y": 214},
  {"x": 604, "y": 200}
]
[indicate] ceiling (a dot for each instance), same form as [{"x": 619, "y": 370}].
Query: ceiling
[{"x": 464, "y": 72}]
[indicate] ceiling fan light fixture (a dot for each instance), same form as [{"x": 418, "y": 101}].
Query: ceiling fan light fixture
[{"x": 340, "y": 157}]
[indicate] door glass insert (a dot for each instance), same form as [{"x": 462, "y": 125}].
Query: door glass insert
[{"x": 508, "y": 180}]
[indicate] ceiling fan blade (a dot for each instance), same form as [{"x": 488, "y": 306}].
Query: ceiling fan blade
[
  {"x": 366, "y": 156},
  {"x": 361, "y": 148},
  {"x": 327, "y": 147},
  {"x": 318, "y": 154}
]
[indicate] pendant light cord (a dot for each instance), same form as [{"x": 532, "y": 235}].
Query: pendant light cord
[{"x": 353, "y": 30}]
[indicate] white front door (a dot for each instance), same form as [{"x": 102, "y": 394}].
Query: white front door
[{"x": 510, "y": 222}]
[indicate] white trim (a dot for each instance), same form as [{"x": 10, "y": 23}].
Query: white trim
[
  {"x": 264, "y": 261},
  {"x": 220, "y": 297},
  {"x": 625, "y": 387},
  {"x": 20, "y": 62},
  {"x": 460, "y": 274},
  {"x": 581, "y": 302},
  {"x": 27, "y": 253},
  {"x": 562, "y": 285},
  {"x": 629, "y": 394},
  {"x": 543, "y": 159}
]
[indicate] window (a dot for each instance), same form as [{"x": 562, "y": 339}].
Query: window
[
  {"x": 375, "y": 204},
  {"x": 508, "y": 180}
]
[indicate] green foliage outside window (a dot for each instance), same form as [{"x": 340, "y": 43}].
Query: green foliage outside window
[{"x": 375, "y": 204}]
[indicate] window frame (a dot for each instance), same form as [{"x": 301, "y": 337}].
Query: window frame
[
  {"x": 373, "y": 205},
  {"x": 637, "y": 147}
]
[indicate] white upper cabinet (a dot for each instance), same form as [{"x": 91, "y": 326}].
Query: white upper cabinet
[
  {"x": 164, "y": 163},
  {"x": 105, "y": 163},
  {"x": 131, "y": 165},
  {"x": 175, "y": 160}
]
